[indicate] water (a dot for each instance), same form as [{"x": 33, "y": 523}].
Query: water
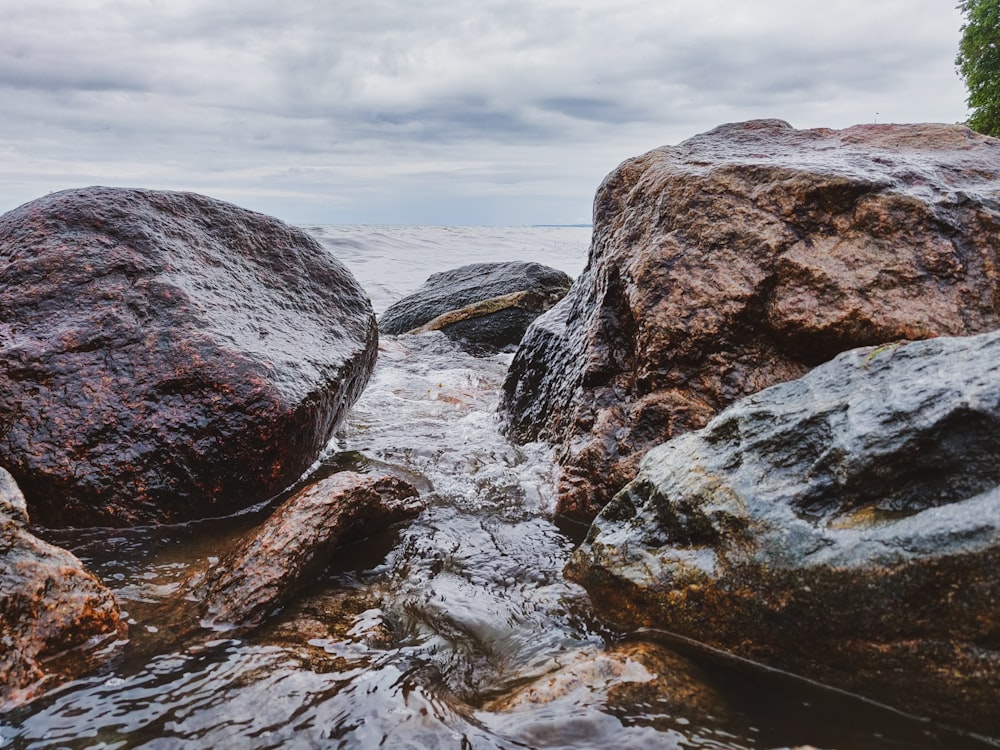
[
  {"x": 456, "y": 631},
  {"x": 390, "y": 262}
]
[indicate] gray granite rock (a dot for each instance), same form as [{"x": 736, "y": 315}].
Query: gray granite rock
[{"x": 844, "y": 526}]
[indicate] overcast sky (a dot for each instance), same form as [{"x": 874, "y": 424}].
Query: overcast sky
[{"x": 435, "y": 111}]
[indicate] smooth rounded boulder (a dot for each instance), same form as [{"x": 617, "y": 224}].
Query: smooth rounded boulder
[
  {"x": 167, "y": 356},
  {"x": 741, "y": 258}
]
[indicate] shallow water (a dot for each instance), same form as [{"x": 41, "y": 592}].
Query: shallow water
[{"x": 455, "y": 631}]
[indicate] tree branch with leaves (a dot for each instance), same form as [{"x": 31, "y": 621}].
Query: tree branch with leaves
[{"x": 978, "y": 63}]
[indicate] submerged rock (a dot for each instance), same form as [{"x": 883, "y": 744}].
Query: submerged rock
[
  {"x": 844, "y": 526},
  {"x": 740, "y": 259},
  {"x": 55, "y": 616},
  {"x": 167, "y": 356},
  {"x": 295, "y": 543},
  {"x": 335, "y": 628},
  {"x": 484, "y": 306},
  {"x": 619, "y": 679}
]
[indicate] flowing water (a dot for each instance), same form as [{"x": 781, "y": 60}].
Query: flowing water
[{"x": 456, "y": 630}]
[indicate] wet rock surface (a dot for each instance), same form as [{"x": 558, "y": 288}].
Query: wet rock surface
[
  {"x": 844, "y": 526},
  {"x": 276, "y": 561},
  {"x": 741, "y": 258},
  {"x": 167, "y": 356},
  {"x": 56, "y": 619},
  {"x": 484, "y": 306}
]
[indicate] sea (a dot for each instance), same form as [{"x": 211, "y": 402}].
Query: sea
[{"x": 454, "y": 630}]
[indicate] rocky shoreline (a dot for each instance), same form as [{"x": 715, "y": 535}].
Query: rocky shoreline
[{"x": 757, "y": 482}]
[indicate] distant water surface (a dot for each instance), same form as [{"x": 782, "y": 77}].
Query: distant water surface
[{"x": 392, "y": 261}]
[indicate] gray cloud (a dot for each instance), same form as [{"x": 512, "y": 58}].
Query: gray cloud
[{"x": 453, "y": 111}]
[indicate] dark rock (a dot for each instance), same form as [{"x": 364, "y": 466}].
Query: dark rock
[
  {"x": 277, "y": 560},
  {"x": 485, "y": 306},
  {"x": 166, "y": 356},
  {"x": 844, "y": 526},
  {"x": 56, "y": 619},
  {"x": 741, "y": 258}
]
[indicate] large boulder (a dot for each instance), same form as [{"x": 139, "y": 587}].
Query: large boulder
[
  {"x": 484, "y": 306},
  {"x": 166, "y": 356},
  {"x": 844, "y": 526},
  {"x": 740, "y": 259},
  {"x": 55, "y": 616}
]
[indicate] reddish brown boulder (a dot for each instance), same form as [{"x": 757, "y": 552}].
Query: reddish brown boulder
[
  {"x": 741, "y": 258},
  {"x": 166, "y": 356},
  {"x": 295, "y": 543},
  {"x": 54, "y": 615}
]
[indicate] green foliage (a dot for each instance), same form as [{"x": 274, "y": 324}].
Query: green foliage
[{"x": 978, "y": 62}]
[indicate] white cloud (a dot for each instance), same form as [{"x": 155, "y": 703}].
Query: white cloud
[{"x": 457, "y": 111}]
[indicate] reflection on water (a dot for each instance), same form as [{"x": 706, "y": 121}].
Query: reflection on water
[{"x": 456, "y": 631}]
